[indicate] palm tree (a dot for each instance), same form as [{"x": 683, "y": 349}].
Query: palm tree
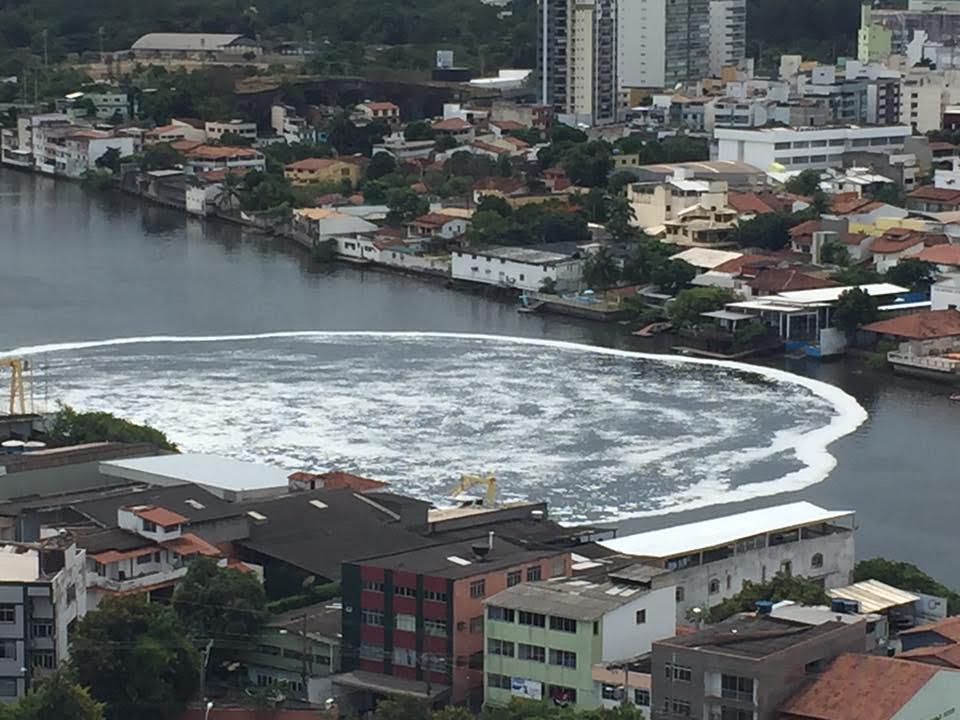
[{"x": 620, "y": 217}]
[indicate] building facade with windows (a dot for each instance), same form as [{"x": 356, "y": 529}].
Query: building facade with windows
[
  {"x": 42, "y": 593},
  {"x": 816, "y": 148},
  {"x": 710, "y": 560},
  {"x": 419, "y": 615},
  {"x": 728, "y": 33},
  {"x": 545, "y": 639},
  {"x": 745, "y": 669}
]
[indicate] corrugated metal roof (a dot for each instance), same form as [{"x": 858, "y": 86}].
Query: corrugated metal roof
[
  {"x": 693, "y": 537},
  {"x": 576, "y": 599},
  {"x": 188, "y": 42},
  {"x": 705, "y": 257},
  {"x": 874, "y": 596}
]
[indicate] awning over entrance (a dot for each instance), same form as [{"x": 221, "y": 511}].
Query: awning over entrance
[{"x": 389, "y": 684}]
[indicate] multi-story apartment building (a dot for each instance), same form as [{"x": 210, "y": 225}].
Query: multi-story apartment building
[
  {"x": 216, "y": 130},
  {"x": 544, "y": 639},
  {"x": 805, "y": 148},
  {"x": 745, "y": 669},
  {"x": 655, "y": 203},
  {"x": 665, "y": 42},
  {"x": 42, "y": 592},
  {"x": 728, "y": 33},
  {"x": 419, "y": 615},
  {"x": 711, "y": 559},
  {"x": 577, "y": 59},
  {"x": 884, "y": 32}
]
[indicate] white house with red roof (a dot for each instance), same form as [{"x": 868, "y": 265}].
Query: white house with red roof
[{"x": 387, "y": 112}]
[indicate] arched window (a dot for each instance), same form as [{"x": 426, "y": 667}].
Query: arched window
[
  {"x": 680, "y": 594},
  {"x": 816, "y": 561},
  {"x": 714, "y": 586}
]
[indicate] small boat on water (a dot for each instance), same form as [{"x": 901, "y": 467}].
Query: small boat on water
[
  {"x": 955, "y": 398},
  {"x": 653, "y": 329}
]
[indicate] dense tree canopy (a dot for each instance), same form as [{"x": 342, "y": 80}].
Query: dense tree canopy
[
  {"x": 71, "y": 428},
  {"x": 136, "y": 657},
  {"x": 57, "y": 698},
  {"x": 854, "y": 309},
  {"x": 906, "y": 576},
  {"x": 769, "y": 231},
  {"x": 219, "y": 603},
  {"x": 780, "y": 587},
  {"x": 912, "y": 273},
  {"x": 689, "y": 304}
]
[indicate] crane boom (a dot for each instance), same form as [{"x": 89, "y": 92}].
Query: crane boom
[
  {"x": 469, "y": 481},
  {"x": 17, "y": 392}
]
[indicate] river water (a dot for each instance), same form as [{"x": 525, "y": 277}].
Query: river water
[{"x": 601, "y": 435}]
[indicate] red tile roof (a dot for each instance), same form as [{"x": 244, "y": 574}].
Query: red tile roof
[
  {"x": 221, "y": 174},
  {"x": 807, "y": 227},
  {"x": 748, "y": 203},
  {"x": 949, "y": 628},
  {"x": 942, "y": 655},
  {"x": 185, "y": 146},
  {"x": 508, "y": 124},
  {"x": 737, "y": 265},
  {"x": 190, "y": 544},
  {"x": 159, "y": 516},
  {"x": 451, "y": 124},
  {"x": 338, "y": 479},
  {"x": 109, "y": 556},
  {"x": 433, "y": 220},
  {"x": 860, "y": 687},
  {"x": 487, "y": 147},
  {"x": 890, "y": 243},
  {"x": 939, "y": 145},
  {"x": 943, "y": 254},
  {"x": 854, "y": 205},
  {"x": 774, "y": 280},
  {"x": 934, "y": 194},
  {"x": 504, "y": 185},
  {"x": 380, "y": 106},
  {"x": 850, "y": 238},
  {"x": 221, "y": 152},
  {"x": 924, "y": 325}
]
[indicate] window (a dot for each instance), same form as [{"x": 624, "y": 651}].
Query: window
[
  {"x": 563, "y": 624},
  {"x": 498, "y": 681},
  {"x": 521, "y": 277},
  {"x": 499, "y": 647},
  {"x": 816, "y": 561},
  {"x": 156, "y": 556},
  {"x": 434, "y": 595},
  {"x": 680, "y": 594},
  {"x": 678, "y": 673},
  {"x": 641, "y": 697},
  {"x": 144, "y": 559},
  {"x": 563, "y": 658},
  {"x": 499, "y": 613},
  {"x": 8, "y": 613},
  {"x": 268, "y": 650},
  {"x": 435, "y": 627},
  {"x": 535, "y": 619},
  {"x": 371, "y": 652},
  {"x": 641, "y": 617},
  {"x": 149, "y": 526},
  {"x": 371, "y": 617},
  {"x": 8, "y": 650},
  {"x": 476, "y": 625},
  {"x": 478, "y": 588},
  {"x": 41, "y": 629},
  {"x": 680, "y": 707},
  {"x": 406, "y": 622},
  {"x": 404, "y": 591},
  {"x": 729, "y": 713},
  {"x": 563, "y": 695},
  {"x": 533, "y": 573},
  {"x": 559, "y": 566},
  {"x": 534, "y": 653},
  {"x": 610, "y": 692},
  {"x": 373, "y": 585},
  {"x": 8, "y": 687},
  {"x": 404, "y": 657},
  {"x": 786, "y": 567},
  {"x": 734, "y": 687},
  {"x": 714, "y": 586},
  {"x": 514, "y": 577},
  {"x": 729, "y": 582}
]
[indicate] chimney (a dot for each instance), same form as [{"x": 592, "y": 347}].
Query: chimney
[{"x": 490, "y": 541}]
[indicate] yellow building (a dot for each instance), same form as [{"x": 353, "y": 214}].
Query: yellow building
[{"x": 321, "y": 170}]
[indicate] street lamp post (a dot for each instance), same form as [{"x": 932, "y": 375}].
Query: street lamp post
[{"x": 207, "y": 709}]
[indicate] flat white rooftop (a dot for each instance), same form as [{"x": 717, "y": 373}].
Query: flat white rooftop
[
  {"x": 211, "y": 471},
  {"x": 832, "y": 294},
  {"x": 706, "y": 534},
  {"x": 705, "y": 258}
]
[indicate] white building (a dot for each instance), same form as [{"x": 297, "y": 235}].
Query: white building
[
  {"x": 728, "y": 33},
  {"x": 216, "y": 130},
  {"x": 206, "y": 158},
  {"x": 815, "y": 148},
  {"x": 404, "y": 150},
  {"x": 175, "y": 130},
  {"x": 147, "y": 552},
  {"x": 290, "y": 126},
  {"x": 711, "y": 559},
  {"x": 945, "y": 294},
  {"x": 519, "y": 267},
  {"x": 78, "y": 150},
  {"x": 27, "y": 147},
  {"x": 43, "y": 589},
  {"x": 110, "y": 105}
]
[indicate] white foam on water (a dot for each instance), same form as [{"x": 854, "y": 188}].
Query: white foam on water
[{"x": 809, "y": 447}]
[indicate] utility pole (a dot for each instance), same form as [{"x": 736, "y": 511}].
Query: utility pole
[
  {"x": 100, "y": 35},
  {"x": 203, "y": 671},
  {"x": 46, "y": 58},
  {"x": 304, "y": 662}
]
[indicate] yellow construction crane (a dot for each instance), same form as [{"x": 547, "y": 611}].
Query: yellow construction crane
[
  {"x": 17, "y": 393},
  {"x": 469, "y": 481}
]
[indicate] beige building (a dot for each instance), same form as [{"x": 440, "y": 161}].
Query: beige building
[
  {"x": 655, "y": 204},
  {"x": 321, "y": 170}
]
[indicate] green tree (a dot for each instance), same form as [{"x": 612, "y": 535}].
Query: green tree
[
  {"x": 487, "y": 227},
  {"x": 217, "y": 602},
  {"x": 855, "y": 275},
  {"x": 906, "y": 576},
  {"x": 620, "y": 217},
  {"x": 780, "y": 587},
  {"x": 770, "y": 231},
  {"x": 136, "y": 657},
  {"x": 806, "y": 183},
  {"x": 834, "y": 253},
  {"x": 600, "y": 270},
  {"x": 588, "y": 164},
  {"x": 854, "y": 309},
  {"x": 494, "y": 203},
  {"x": 73, "y": 428},
  {"x": 619, "y": 180},
  {"x": 233, "y": 139},
  {"x": 644, "y": 257},
  {"x": 445, "y": 143},
  {"x": 673, "y": 276},
  {"x": 564, "y": 133},
  {"x": 110, "y": 160},
  {"x": 405, "y": 205},
  {"x": 912, "y": 273},
  {"x": 403, "y": 708},
  {"x": 891, "y": 194},
  {"x": 160, "y": 157},
  {"x": 687, "y": 306},
  {"x": 419, "y": 130},
  {"x": 594, "y": 204},
  {"x": 56, "y": 697}
]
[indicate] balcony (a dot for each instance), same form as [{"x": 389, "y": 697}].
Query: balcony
[{"x": 140, "y": 582}]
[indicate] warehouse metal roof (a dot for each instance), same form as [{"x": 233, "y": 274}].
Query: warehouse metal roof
[
  {"x": 874, "y": 596},
  {"x": 190, "y": 42}
]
